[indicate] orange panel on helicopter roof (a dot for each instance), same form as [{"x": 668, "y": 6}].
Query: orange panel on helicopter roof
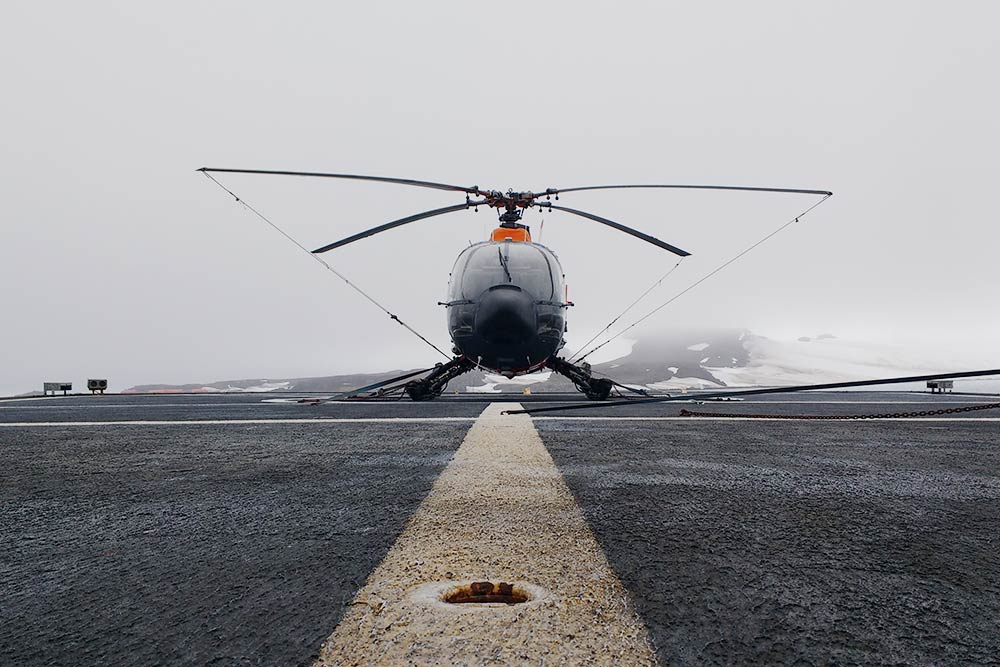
[{"x": 516, "y": 234}]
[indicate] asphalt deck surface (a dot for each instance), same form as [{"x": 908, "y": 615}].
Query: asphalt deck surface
[{"x": 739, "y": 541}]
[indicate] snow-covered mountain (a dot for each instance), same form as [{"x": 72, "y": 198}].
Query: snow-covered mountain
[
  {"x": 689, "y": 359},
  {"x": 704, "y": 359}
]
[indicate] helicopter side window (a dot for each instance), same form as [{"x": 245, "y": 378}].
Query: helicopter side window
[{"x": 457, "y": 274}]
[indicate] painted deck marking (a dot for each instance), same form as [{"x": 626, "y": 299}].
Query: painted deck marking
[
  {"x": 425, "y": 420},
  {"x": 500, "y": 511},
  {"x": 242, "y": 422}
]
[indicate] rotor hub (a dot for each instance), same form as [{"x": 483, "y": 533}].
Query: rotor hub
[{"x": 510, "y": 205}]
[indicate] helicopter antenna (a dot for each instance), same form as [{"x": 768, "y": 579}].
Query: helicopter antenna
[
  {"x": 325, "y": 265},
  {"x": 708, "y": 275}
]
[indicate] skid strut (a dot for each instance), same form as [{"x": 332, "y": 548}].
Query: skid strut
[
  {"x": 431, "y": 386},
  {"x": 597, "y": 389}
]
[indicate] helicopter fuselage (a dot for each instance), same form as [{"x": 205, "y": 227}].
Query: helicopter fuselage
[{"x": 507, "y": 305}]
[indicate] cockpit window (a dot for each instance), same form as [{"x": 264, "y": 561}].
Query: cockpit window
[{"x": 502, "y": 264}]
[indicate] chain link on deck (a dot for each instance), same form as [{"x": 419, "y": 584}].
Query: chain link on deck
[{"x": 885, "y": 415}]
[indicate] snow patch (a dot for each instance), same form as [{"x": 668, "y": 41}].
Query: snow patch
[
  {"x": 698, "y": 347},
  {"x": 264, "y": 386},
  {"x": 777, "y": 363},
  {"x": 493, "y": 381},
  {"x": 488, "y": 388},
  {"x": 684, "y": 383}
]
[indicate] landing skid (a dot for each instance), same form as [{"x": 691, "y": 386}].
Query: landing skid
[
  {"x": 431, "y": 386},
  {"x": 596, "y": 389}
]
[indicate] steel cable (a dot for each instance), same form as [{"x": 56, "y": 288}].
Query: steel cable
[
  {"x": 628, "y": 308},
  {"x": 325, "y": 265},
  {"x": 884, "y": 415},
  {"x": 705, "y": 277}
]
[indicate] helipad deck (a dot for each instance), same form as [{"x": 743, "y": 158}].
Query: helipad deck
[{"x": 239, "y": 529}]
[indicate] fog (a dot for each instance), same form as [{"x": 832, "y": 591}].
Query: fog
[{"x": 119, "y": 260}]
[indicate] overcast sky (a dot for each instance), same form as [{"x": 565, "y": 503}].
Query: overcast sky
[{"x": 118, "y": 260}]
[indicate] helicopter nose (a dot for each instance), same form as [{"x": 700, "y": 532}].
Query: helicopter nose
[{"x": 506, "y": 315}]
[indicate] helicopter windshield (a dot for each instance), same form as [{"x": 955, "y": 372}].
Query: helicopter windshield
[{"x": 483, "y": 266}]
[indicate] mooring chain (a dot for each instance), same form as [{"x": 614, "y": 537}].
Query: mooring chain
[{"x": 885, "y": 415}]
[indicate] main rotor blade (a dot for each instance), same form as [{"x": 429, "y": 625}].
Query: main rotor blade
[
  {"x": 397, "y": 223},
  {"x": 620, "y": 227},
  {"x": 556, "y": 191},
  {"x": 474, "y": 190},
  {"x": 758, "y": 392}
]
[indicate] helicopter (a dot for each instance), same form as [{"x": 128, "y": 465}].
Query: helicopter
[{"x": 507, "y": 302}]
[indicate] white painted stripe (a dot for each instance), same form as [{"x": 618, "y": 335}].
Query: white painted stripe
[
  {"x": 929, "y": 401},
  {"x": 294, "y": 404},
  {"x": 769, "y": 419},
  {"x": 500, "y": 512},
  {"x": 112, "y": 397},
  {"x": 417, "y": 420},
  {"x": 132, "y": 406},
  {"x": 239, "y": 422}
]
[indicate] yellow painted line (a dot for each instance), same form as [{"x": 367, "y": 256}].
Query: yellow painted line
[{"x": 499, "y": 512}]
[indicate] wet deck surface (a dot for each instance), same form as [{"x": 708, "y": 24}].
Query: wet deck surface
[
  {"x": 828, "y": 542},
  {"x": 739, "y": 541}
]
